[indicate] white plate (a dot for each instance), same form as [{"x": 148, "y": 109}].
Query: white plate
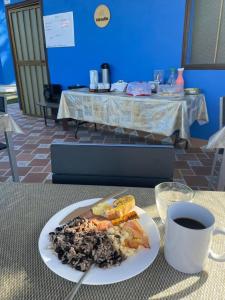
[{"x": 130, "y": 267}]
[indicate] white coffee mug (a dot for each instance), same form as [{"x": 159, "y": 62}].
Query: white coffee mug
[{"x": 187, "y": 250}]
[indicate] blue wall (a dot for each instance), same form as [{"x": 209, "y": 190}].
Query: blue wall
[
  {"x": 1, "y": 73},
  {"x": 141, "y": 36},
  {"x": 139, "y": 39},
  {"x": 6, "y": 62},
  {"x": 130, "y": 42}
]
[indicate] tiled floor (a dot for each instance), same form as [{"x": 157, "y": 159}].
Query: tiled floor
[{"x": 193, "y": 166}]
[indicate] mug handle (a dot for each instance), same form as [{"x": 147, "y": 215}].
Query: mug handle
[{"x": 213, "y": 255}]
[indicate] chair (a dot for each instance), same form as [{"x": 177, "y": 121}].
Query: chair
[
  {"x": 221, "y": 182},
  {"x": 52, "y": 94},
  {"x": 119, "y": 165}
]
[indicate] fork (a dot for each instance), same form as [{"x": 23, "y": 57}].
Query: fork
[{"x": 75, "y": 289}]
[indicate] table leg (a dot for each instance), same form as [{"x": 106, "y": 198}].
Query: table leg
[
  {"x": 12, "y": 156},
  {"x": 221, "y": 181}
]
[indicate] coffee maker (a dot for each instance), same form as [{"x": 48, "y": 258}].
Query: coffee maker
[
  {"x": 104, "y": 84},
  {"x": 105, "y": 69}
]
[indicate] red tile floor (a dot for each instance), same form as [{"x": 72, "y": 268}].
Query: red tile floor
[{"x": 192, "y": 166}]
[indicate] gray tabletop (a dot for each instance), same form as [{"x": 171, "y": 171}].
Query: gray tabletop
[{"x": 25, "y": 209}]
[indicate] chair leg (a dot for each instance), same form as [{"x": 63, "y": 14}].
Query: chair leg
[
  {"x": 178, "y": 140},
  {"x": 214, "y": 162},
  {"x": 45, "y": 115},
  {"x": 77, "y": 124},
  {"x": 176, "y": 137}
]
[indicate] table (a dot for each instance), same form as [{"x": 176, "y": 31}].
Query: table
[
  {"x": 151, "y": 114},
  {"x": 25, "y": 209},
  {"x": 8, "y": 88},
  {"x": 8, "y": 91},
  {"x": 8, "y": 125}
]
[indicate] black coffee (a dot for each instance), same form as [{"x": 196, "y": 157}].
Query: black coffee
[{"x": 190, "y": 223}]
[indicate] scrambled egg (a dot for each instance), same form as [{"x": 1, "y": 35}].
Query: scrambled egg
[{"x": 118, "y": 236}]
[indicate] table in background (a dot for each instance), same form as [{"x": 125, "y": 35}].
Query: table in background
[
  {"x": 26, "y": 208},
  {"x": 151, "y": 114},
  {"x": 8, "y": 125},
  {"x": 9, "y": 91}
]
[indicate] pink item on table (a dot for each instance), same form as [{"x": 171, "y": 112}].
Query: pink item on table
[{"x": 180, "y": 79}]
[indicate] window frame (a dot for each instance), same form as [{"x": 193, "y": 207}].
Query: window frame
[{"x": 185, "y": 46}]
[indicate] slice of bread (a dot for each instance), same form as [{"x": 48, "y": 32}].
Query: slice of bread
[
  {"x": 99, "y": 209},
  {"x": 121, "y": 207}
]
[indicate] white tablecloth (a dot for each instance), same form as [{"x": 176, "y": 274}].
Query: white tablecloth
[
  {"x": 152, "y": 114},
  {"x": 8, "y": 124},
  {"x": 217, "y": 140},
  {"x": 9, "y": 88}
]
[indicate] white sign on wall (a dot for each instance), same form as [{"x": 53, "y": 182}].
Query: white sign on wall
[
  {"x": 6, "y": 2},
  {"x": 59, "y": 30}
]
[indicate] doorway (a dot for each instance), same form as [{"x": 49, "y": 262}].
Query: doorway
[{"x": 25, "y": 23}]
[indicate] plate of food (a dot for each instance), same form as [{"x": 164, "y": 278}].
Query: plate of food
[{"x": 120, "y": 239}]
